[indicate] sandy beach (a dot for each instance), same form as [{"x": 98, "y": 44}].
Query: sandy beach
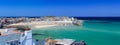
[{"x": 43, "y": 24}]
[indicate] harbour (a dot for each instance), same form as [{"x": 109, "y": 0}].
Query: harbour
[
  {"x": 23, "y": 27},
  {"x": 93, "y": 32}
]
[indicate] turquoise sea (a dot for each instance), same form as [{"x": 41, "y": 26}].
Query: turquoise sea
[{"x": 94, "y": 32}]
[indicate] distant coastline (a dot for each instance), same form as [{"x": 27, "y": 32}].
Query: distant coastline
[
  {"x": 78, "y": 17},
  {"x": 48, "y": 21}
]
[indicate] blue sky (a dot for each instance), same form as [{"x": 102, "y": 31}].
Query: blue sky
[{"x": 83, "y": 8}]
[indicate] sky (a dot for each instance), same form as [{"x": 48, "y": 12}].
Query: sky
[{"x": 82, "y": 8}]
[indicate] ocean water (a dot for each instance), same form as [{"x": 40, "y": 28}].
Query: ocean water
[{"x": 93, "y": 32}]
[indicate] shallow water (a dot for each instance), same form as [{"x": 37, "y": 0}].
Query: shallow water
[{"x": 92, "y": 33}]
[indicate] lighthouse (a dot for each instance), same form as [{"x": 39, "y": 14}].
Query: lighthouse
[{"x": 26, "y": 37}]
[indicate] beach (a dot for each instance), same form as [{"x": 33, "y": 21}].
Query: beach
[{"x": 43, "y": 24}]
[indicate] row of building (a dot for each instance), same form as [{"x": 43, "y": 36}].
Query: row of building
[{"x": 7, "y": 21}]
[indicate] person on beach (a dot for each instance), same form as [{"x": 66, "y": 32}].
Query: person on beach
[{"x": 82, "y": 42}]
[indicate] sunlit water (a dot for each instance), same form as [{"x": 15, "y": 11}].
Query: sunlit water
[{"x": 92, "y": 33}]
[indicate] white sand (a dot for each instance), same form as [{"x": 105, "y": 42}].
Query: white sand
[{"x": 42, "y": 24}]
